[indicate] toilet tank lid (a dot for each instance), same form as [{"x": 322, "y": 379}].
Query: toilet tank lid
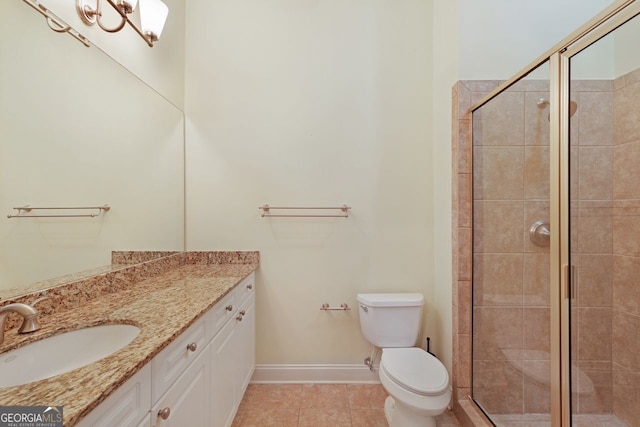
[{"x": 391, "y": 300}]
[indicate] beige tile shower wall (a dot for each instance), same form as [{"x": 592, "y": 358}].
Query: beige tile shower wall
[
  {"x": 626, "y": 248},
  {"x": 462, "y": 215},
  {"x": 511, "y": 274}
]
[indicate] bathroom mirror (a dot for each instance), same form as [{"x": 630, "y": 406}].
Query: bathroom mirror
[{"x": 78, "y": 130}]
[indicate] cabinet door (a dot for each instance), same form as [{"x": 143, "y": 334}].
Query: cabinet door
[
  {"x": 126, "y": 406},
  {"x": 224, "y": 382},
  {"x": 246, "y": 351},
  {"x": 186, "y": 403}
]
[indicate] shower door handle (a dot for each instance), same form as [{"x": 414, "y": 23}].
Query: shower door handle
[{"x": 569, "y": 281}]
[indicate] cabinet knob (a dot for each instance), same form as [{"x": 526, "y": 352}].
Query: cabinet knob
[
  {"x": 239, "y": 317},
  {"x": 164, "y": 413},
  {"x": 229, "y": 307},
  {"x": 192, "y": 347},
  {"x": 249, "y": 287},
  {"x": 242, "y": 312}
]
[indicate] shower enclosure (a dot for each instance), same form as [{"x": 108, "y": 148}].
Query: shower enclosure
[{"x": 554, "y": 200}]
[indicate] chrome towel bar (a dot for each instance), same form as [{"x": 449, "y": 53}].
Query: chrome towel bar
[
  {"x": 27, "y": 209},
  {"x": 266, "y": 212}
]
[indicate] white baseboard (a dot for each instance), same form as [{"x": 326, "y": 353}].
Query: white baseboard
[{"x": 335, "y": 374}]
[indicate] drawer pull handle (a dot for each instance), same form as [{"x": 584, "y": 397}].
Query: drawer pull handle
[
  {"x": 249, "y": 287},
  {"x": 242, "y": 312},
  {"x": 239, "y": 317},
  {"x": 192, "y": 347},
  {"x": 229, "y": 307},
  {"x": 164, "y": 413}
]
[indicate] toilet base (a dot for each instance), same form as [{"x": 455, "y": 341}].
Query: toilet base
[{"x": 399, "y": 415}]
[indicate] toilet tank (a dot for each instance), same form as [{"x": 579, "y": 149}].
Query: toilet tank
[{"x": 391, "y": 320}]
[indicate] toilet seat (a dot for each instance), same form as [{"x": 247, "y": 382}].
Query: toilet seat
[{"x": 415, "y": 370}]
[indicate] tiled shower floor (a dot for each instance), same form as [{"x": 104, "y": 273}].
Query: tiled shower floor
[
  {"x": 531, "y": 420},
  {"x": 317, "y": 405}
]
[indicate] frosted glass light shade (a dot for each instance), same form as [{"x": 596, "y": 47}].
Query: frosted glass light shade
[
  {"x": 153, "y": 14},
  {"x": 128, "y": 5}
]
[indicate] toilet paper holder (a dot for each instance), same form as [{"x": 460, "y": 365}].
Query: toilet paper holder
[{"x": 343, "y": 307}]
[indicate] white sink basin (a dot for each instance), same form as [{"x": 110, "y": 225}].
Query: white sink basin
[{"x": 62, "y": 353}]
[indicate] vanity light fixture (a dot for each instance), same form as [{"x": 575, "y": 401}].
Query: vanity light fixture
[
  {"x": 153, "y": 14},
  {"x": 55, "y": 23}
]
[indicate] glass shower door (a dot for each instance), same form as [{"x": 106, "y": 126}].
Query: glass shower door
[
  {"x": 604, "y": 209},
  {"x": 511, "y": 294}
]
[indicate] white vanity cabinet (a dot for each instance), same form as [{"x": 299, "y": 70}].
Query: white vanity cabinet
[
  {"x": 198, "y": 380},
  {"x": 233, "y": 357}
]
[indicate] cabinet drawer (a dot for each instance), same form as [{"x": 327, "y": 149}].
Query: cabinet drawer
[
  {"x": 245, "y": 289},
  {"x": 186, "y": 403},
  {"x": 173, "y": 360},
  {"x": 126, "y": 406},
  {"x": 221, "y": 313}
]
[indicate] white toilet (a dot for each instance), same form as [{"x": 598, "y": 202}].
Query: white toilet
[{"x": 417, "y": 382}]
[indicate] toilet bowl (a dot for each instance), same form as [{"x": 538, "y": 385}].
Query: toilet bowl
[
  {"x": 418, "y": 386},
  {"x": 417, "y": 382}
]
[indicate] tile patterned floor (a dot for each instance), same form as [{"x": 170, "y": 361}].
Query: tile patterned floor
[{"x": 317, "y": 405}]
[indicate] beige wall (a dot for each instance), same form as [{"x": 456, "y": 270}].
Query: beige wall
[
  {"x": 445, "y": 74},
  {"x": 500, "y": 37},
  {"x": 626, "y": 56},
  {"x": 307, "y": 103}
]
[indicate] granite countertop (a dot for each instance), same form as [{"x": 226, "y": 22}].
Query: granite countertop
[{"x": 162, "y": 307}]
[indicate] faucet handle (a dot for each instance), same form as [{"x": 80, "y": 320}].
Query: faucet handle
[
  {"x": 30, "y": 324},
  {"x": 39, "y": 300},
  {"x": 47, "y": 308}
]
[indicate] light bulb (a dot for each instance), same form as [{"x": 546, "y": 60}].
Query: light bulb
[{"x": 153, "y": 14}]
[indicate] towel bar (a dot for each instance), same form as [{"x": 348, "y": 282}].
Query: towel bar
[{"x": 266, "y": 209}]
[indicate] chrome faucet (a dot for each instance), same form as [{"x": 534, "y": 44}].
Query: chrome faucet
[{"x": 29, "y": 318}]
